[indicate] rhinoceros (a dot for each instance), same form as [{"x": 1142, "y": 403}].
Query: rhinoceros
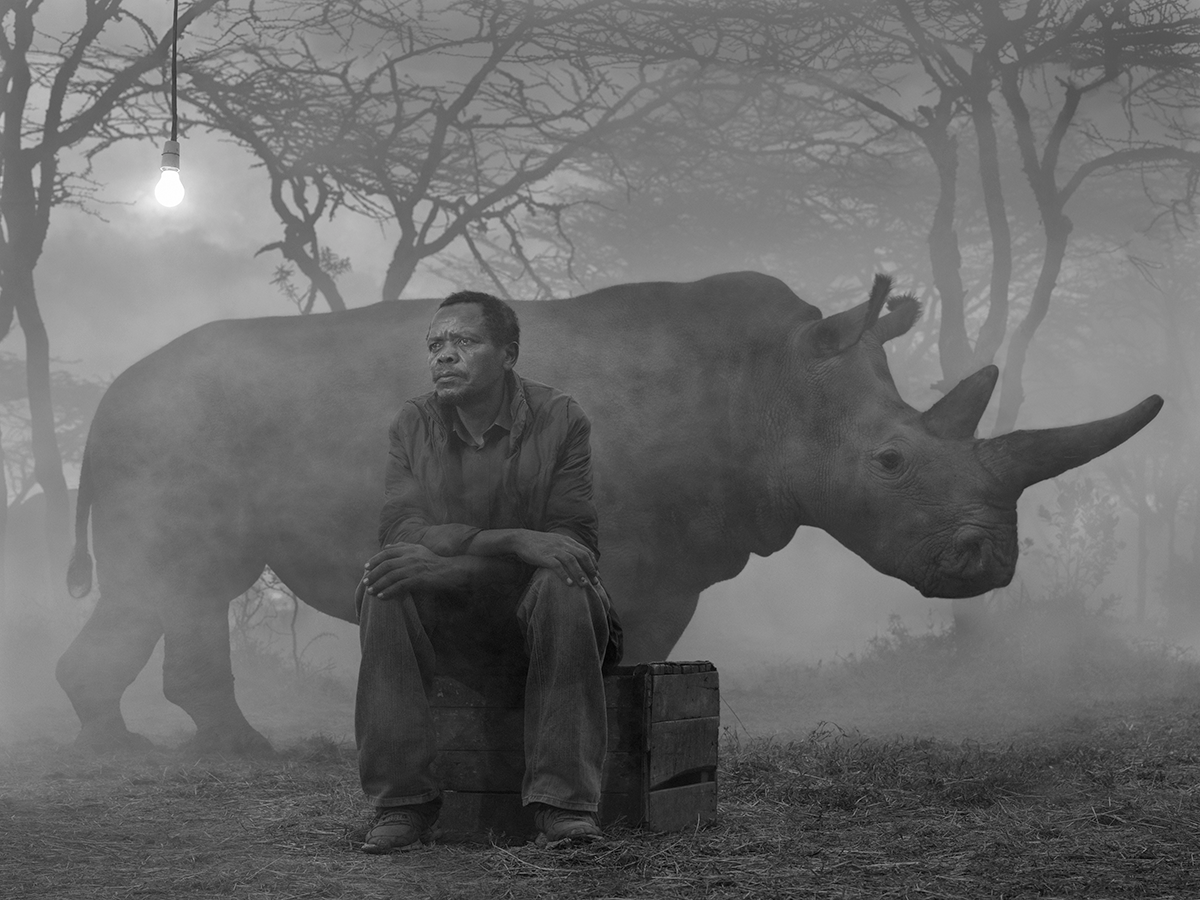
[{"x": 726, "y": 413}]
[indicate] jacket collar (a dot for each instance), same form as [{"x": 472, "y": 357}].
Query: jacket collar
[{"x": 514, "y": 413}]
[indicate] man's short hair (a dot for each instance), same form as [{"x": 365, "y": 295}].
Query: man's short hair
[{"x": 500, "y": 318}]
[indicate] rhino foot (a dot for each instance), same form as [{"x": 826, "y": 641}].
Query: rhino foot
[
  {"x": 244, "y": 741},
  {"x": 107, "y": 737}
]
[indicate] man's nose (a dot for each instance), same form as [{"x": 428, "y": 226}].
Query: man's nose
[{"x": 447, "y": 354}]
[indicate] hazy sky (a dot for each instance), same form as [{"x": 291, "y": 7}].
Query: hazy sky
[{"x": 113, "y": 291}]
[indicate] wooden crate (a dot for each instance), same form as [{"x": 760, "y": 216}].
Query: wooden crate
[{"x": 660, "y": 771}]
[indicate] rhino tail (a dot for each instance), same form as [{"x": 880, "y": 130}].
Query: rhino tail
[{"x": 79, "y": 569}]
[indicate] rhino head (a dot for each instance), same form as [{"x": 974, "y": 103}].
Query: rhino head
[{"x": 916, "y": 494}]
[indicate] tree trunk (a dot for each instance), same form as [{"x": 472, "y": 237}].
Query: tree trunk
[
  {"x": 1012, "y": 393},
  {"x": 3, "y": 536},
  {"x": 295, "y": 248},
  {"x": 945, "y": 260},
  {"x": 26, "y": 233},
  {"x": 1142, "y": 549},
  {"x": 995, "y": 325},
  {"x": 399, "y": 272},
  {"x": 47, "y": 458}
]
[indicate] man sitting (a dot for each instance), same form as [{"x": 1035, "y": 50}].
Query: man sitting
[{"x": 489, "y": 546}]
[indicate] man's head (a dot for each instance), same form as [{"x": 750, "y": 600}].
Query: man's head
[{"x": 473, "y": 342}]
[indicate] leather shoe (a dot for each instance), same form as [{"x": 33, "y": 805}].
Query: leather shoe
[
  {"x": 401, "y": 828},
  {"x": 557, "y": 826}
]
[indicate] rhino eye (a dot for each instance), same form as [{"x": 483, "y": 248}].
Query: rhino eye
[{"x": 891, "y": 460}]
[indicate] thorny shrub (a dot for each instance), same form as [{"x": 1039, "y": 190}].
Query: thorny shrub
[
  {"x": 1081, "y": 546},
  {"x": 264, "y": 615}
]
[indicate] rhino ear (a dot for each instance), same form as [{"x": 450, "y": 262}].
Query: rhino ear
[
  {"x": 903, "y": 312},
  {"x": 843, "y": 330},
  {"x": 957, "y": 415}
]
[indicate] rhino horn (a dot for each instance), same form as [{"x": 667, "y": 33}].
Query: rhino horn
[
  {"x": 957, "y": 415},
  {"x": 1022, "y": 458},
  {"x": 841, "y": 331}
]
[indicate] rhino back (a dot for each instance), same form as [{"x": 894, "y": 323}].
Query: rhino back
[{"x": 264, "y": 440}]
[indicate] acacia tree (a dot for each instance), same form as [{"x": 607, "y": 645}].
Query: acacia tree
[
  {"x": 445, "y": 122},
  {"x": 1059, "y": 94},
  {"x": 63, "y": 85},
  {"x": 75, "y": 401},
  {"x": 1020, "y": 72}
]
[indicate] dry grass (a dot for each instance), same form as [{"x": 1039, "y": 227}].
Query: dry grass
[{"x": 1105, "y": 803}]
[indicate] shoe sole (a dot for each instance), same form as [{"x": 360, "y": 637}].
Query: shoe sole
[
  {"x": 424, "y": 842},
  {"x": 546, "y": 844}
]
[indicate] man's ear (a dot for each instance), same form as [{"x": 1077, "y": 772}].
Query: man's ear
[{"x": 511, "y": 352}]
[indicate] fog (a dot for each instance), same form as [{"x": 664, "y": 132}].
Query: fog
[{"x": 116, "y": 286}]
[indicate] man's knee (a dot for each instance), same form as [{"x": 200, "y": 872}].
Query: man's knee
[{"x": 549, "y": 595}]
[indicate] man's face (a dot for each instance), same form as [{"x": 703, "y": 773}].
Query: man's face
[{"x": 463, "y": 360}]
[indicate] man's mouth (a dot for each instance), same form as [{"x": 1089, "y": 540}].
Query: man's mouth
[{"x": 442, "y": 376}]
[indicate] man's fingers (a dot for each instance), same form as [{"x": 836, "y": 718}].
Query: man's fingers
[
  {"x": 573, "y": 570},
  {"x": 585, "y": 563},
  {"x": 384, "y": 576},
  {"x": 387, "y": 574},
  {"x": 391, "y": 589},
  {"x": 391, "y": 551}
]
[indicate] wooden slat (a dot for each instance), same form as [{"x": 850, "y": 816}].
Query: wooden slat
[
  {"x": 674, "y": 809},
  {"x": 685, "y": 696},
  {"x": 682, "y": 746},
  {"x": 479, "y": 728},
  {"x": 476, "y": 816},
  {"x": 501, "y": 690},
  {"x": 626, "y": 688},
  {"x": 625, "y": 808},
  {"x": 480, "y": 770}
]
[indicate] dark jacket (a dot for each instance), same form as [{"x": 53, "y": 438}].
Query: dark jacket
[{"x": 547, "y": 481}]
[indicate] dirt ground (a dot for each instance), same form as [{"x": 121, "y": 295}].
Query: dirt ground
[{"x": 905, "y": 773}]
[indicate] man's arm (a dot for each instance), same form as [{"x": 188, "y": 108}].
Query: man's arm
[
  {"x": 401, "y": 568},
  {"x": 562, "y": 554}
]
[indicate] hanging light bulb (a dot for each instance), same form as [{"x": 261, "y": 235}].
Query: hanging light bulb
[{"x": 169, "y": 190}]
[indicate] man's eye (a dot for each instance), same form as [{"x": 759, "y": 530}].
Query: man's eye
[
  {"x": 433, "y": 348},
  {"x": 465, "y": 341}
]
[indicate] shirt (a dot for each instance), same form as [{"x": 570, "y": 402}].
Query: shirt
[{"x": 534, "y": 471}]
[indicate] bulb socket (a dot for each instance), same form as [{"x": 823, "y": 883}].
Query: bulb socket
[{"x": 170, "y": 156}]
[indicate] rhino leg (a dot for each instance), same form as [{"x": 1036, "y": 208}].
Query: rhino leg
[
  {"x": 103, "y": 660},
  {"x": 198, "y": 677}
]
